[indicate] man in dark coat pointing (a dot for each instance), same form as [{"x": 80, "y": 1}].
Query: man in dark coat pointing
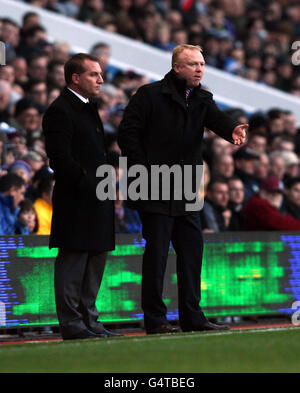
[
  {"x": 163, "y": 124},
  {"x": 82, "y": 225}
]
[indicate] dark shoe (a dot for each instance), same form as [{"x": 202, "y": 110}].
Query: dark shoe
[
  {"x": 108, "y": 333},
  {"x": 209, "y": 326},
  {"x": 98, "y": 328},
  {"x": 163, "y": 329},
  {"x": 81, "y": 335}
]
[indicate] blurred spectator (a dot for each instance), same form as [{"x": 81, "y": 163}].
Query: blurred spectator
[
  {"x": 215, "y": 215},
  {"x": 10, "y": 34},
  {"x": 56, "y": 76},
  {"x": 235, "y": 203},
  {"x": 43, "y": 205},
  {"x": 291, "y": 199},
  {"x": 27, "y": 217},
  {"x": 261, "y": 167},
  {"x": 22, "y": 169},
  {"x": 223, "y": 165},
  {"x": 36, "y": 91},
  {"x": 262, "y": 213},
  {"x": 20, "y": 68},
  {"x": 31, "y": 41},
  {"x": 29, "y": 20},
  {"x": 5, "y": 97},
  {"x": 126, "y": 220},
  {"x": 61, "y": 51},
  {"x": 12, "y": 190},
  {"x": 277, "y": 165},
  {"x": 102, "y": 51},
  {"x": 35, "y": 161},
  {"x": 244, "y": 159},
  {"x": 28, "y": 119},
  {"x": 257, "y": 142},
  {"x": 292, "y": 163},
  {"x": 37, "y": 67},
  {"x": 18, "y": 144}
]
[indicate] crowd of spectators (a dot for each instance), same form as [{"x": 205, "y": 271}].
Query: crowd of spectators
[
  {"x": 256, "y": 187},
  {"x": 249, "y": 38}
]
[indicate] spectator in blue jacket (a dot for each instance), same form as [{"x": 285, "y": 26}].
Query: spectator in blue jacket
[{"x": 12, "y": 190}]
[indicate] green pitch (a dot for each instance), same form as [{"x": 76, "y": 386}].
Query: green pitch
[{"x": 257, "y": 350}]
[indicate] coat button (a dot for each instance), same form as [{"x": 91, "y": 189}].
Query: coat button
[{"x": 98, "y": 129}]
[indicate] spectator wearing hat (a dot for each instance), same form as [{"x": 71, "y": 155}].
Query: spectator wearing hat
[
  {"x": 262, "y": 213},
  {"x": 291, "y": 199},
  {"x": 244, "y": 159},
  {"x": 35, "y": 160},
  {"x": 22, "y": 169},
  {"x": 292, "y": 163}
]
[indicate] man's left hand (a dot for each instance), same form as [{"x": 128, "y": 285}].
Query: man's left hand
[{"x": 239, "y": 134}]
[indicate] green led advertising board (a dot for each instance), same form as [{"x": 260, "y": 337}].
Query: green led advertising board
[{"x": 243, "y": 273}]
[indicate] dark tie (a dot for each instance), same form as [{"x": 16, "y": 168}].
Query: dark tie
[{"x": 187, "y": 93}]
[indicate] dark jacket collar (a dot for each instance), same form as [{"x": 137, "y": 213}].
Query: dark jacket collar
[
  {"x": 73, "y": 99},
  {"x": 175, "y": 86}
]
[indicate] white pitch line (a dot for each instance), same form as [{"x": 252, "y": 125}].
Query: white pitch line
[
  {"x": 199, "y": 335},
  {"x": 170, "y": 336}
]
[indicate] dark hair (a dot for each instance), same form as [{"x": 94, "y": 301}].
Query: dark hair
[
  {"x": 45, "y": 184},
  {"x": 291, "y": 181},
  {"x": 75, "y": 65},
  {"x": 216, "y": 179},
  {"x": 11, "y": 180}
]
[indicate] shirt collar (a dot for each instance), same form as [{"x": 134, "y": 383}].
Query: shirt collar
[{"x": 83, "y": 99}]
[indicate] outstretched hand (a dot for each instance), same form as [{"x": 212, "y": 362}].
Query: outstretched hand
[{"x": 239, "y": 134}]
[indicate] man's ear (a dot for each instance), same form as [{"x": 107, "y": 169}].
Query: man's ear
[
  {"x": 176, "y": 67},
  {"x": 75, "y": 79},
  {"x": 12, "y": 191}
]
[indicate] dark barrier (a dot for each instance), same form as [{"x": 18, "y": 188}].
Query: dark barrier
[{"x": 243, "y": 273}]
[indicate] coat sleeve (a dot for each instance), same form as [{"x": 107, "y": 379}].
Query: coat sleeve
[
  {"x": 58, "y": 131},
  {"x": 218, "y": 122},
  {"x": 132, "y": 129}
]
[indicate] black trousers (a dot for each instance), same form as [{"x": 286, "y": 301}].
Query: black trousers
[
  {"x": 186, "y": 236},
  {"x": 77, "y": 279}
]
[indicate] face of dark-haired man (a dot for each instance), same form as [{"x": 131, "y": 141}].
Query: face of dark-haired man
[{"x": 88, "y": 82}]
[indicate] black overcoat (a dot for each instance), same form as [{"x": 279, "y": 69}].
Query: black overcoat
[
  {"x": 159, "y": 128},
  {"x": 75, "y": 146}
]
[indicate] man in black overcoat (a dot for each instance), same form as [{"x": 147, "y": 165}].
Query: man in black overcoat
[
  {"x": 82, "y": 225},
  {"x": 163, "y": 124}
]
